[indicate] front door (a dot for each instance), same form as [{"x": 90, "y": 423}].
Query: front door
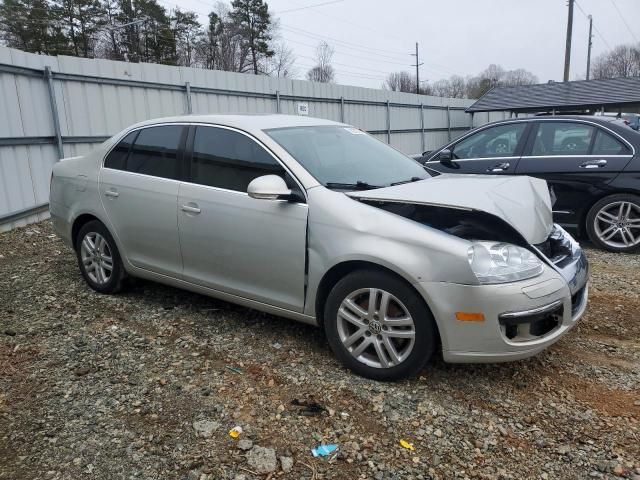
[
  {"x": 139, "y": 191},
  {"x": 494, "y": 150},
  {"x": 234, "y": 243},
  {"x": 577, "y": 160}
]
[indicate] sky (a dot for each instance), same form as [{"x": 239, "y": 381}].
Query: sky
[{"x": 372, "y": 38}]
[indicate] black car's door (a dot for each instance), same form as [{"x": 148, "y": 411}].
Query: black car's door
[
  {"x": 578, "y": 159},
  {"x": 491, "y": 150}
]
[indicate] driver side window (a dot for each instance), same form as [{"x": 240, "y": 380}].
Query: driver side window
[{"x": 498, "y": 141}]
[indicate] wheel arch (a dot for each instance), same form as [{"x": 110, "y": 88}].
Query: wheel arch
[{"x": 344, "y": 268}]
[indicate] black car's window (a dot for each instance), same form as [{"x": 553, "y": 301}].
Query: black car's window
[
  {"x": 562, "y": 138},
  {"x": 227, "y": 159},
  {"x": 155, "y": 152},
  {"x": 498, "y": 141},
  {"x": 606, "y": 144},
  {"x": 117, "y": 158}
]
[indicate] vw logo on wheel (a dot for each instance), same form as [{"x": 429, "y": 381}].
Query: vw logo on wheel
[{"x": 375, "y": 327}]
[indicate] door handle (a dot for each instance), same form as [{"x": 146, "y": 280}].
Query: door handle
[
  {"x": 191, "y": 208},
  {"x": 499, "y": 167},
  {"x": 112, "y": 193},
  {"x": 593, "y": 163}
]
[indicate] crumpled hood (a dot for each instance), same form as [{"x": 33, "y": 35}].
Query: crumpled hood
[{"x": 521, "y": 201}]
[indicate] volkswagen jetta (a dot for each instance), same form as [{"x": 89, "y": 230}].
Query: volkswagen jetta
[{"x": 320, "y": 222}]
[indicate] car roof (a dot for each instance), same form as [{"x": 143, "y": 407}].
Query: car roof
[{"x": 245, "y": 121}]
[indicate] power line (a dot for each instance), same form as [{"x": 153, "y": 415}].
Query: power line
[
  {"x": 594, "y": 27},
  {"x": 308, "y": 6},
  {"x": 624, "y": 21}
]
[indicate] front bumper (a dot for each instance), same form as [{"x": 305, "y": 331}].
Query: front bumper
[{"x": 520, "y": 319}]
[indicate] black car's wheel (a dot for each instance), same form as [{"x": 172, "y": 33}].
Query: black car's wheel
[
  {"x": 98, "y": 258},
  {"x": 613, "y": 223},
  {"x": 378, "y": 326}
]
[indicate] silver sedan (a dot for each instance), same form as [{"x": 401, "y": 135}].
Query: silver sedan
[{"x": 319, "y": 222}]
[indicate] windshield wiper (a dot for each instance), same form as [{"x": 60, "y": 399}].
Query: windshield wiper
[
  {"x": 412, "y": 179},
  {"x": 359, "y": 185}
]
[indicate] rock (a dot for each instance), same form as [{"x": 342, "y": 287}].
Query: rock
[
  {"x": 82, "y": 371},
  {"x": 563, "y": 449},
  {"x": 262, "y": 459},
  {"x": 205, "y": 428},
  {"x": 618, "y": 470},
  {"x": 286, "y": 463},
  {"x": 245, "y": 444},
  {"x": 438, "y": 433},
  {"x": 10, "y": 332}
]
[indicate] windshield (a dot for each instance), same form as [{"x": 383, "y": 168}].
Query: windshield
[{"x": 347, "y": 158}]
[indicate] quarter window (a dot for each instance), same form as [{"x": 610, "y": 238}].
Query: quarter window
[
  {"x": 117, "y": 158},
  {"x": 227, "y": 159},
  {"x": 562, "y": 138},
  {"x": 498, "y": 141},
  {"x": 155, "y": 152},
  {"x": 605, "y": 144}
]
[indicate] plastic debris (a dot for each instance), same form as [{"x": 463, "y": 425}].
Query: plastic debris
[
  {"x": 234, "y": 369},
  {"x": 235, "y": 432},
  {"x": 324, "y": 450},
  {"x": 310, "y": 407},
  {"x": 407, "y": 445}
]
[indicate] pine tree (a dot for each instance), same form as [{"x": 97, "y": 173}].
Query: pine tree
[
  {"x": 30, "y": 25},
  {"x": 253, "y": 23},
  {"x": 81, "y": 20}
]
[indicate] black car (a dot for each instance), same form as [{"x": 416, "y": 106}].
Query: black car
[{"x": 592, "y": 166}]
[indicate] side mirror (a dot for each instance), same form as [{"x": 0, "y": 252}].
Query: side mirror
[
  {"x": 445, "y": 156},
  {"x": 269, "y": 187}
]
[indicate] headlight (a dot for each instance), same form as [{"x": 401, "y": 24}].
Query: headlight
[{"x": 502, "y": 262}]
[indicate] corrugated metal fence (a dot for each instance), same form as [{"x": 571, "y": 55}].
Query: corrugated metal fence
[{"x": 55, "y": 107}]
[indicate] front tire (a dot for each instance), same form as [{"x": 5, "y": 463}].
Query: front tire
[
  {"x": 613, "y": 223},
  {"x": 378, "y": 326},
  {"x": 98, "y": 258}
]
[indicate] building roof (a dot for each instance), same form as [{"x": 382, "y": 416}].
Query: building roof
[{"x": 561, "y": 96}]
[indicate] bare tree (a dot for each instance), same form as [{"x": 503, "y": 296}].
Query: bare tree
[
  {"x": 519, "y": 76},
  {"x": 323, "y": 71},
  {"x": 400, "y": 82},
  {"x": 282, "y": 63},
  {"x": 622, "y": 61}
]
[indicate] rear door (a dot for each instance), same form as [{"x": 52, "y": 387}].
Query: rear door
[
  {"x": 493, "y": 150},
  {"x": 577, "y": 159},
  {"x": 139, "y": 191},
  {"x": 234, "y": 243}
]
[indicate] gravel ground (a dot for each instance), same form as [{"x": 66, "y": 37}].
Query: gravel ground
[{"x": 147, "y": 384}]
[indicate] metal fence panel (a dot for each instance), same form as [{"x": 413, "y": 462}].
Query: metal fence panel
[{"x": 96, "y": 98}]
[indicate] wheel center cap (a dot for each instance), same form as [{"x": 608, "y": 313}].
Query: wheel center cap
[{"x": 375, "y": 327}]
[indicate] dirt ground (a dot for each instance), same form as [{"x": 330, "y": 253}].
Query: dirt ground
[{"x": 146, "y": 385}]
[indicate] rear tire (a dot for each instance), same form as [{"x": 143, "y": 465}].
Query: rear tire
[
  {"x": 393, "y": 339},
  {"x": 613, "y": 223},
  {"x": 99, "y": 259}
]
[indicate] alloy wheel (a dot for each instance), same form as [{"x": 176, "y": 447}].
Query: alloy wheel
[
  {"x": 617, "y": 224},
  {"x": 376, "y": 328},
  {"x": 96, "y": 258}
]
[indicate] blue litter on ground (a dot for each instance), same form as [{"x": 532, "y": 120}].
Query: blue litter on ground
[{"x": 324, "y": 450}]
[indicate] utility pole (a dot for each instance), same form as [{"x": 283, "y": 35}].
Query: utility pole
[
  {"x": 589, "y": 47},
  {"x": 417, "y": 65},
  {"x": 567, "y": 52}
]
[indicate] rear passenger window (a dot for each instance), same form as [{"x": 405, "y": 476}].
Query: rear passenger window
[
  {"x": 562, "y": 138},
  {"x": 605, "y": 144},
  {"x": 155, "y": 152},
  {"x": 118, "y": 156},
  {"x": 227, "y": 159}
]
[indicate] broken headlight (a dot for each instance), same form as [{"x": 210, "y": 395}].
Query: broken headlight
[{"x": 493, "y": 262}]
